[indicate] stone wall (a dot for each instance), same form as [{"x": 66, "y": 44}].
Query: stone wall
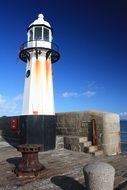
[{"x": 78, "y": 124}]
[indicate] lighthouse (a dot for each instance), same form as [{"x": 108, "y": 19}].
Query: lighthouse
[
  {"x": 37, "y": 124},
  {"x": 39, "y": 53}
]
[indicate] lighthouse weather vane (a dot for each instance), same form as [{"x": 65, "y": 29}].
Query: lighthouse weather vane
[{"x": 39, "y": 53}]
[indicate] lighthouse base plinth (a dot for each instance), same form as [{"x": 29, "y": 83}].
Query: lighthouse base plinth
[{"x": 38, "y": 129}]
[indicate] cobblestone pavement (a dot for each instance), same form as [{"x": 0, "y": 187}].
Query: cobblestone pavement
[{"x": 64, "y": 170}]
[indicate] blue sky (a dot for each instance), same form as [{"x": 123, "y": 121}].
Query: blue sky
[{"x": 92, "y": 37}]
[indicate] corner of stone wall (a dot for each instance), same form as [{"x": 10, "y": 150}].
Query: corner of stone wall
[{"x": 111, "y": 134}]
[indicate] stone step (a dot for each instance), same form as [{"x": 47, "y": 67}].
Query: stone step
[
  {"x": 59, "y": 146},
  {"x": 90, "y": 149},
  {"x": 87, "y": 143},
  {"x": 83, "y": 139},
  {"x": 74, "y": 139},
  {"x": 60, "y": 139},
  {"x": 77, "y": 147},
  {"x": 59, "y": 142},
  {"x": 98, "y": 153}
]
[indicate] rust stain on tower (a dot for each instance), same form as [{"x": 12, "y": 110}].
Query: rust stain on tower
[
  {"x": 48, "y": 72},
  {"x": 37, "y": 71}
]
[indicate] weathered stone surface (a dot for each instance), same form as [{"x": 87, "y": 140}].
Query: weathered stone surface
[
  {"x": 92, "y": 149},
  {"x": 59, "y": 142},
  {"x": 98, "y": 153},
  {"x": 77, "y": 147},
  {"x": 99, "y": 176},
  {"x": 87, "y": 144},
  {"x": 63, "y": 170},
  {"x": 111, "y": 134},
  {"x": 75, "y": 143},
  {"x": 74, "y": 139},
  {"x": 79, "y": 124},
  {"x": 82, "y": 139}
]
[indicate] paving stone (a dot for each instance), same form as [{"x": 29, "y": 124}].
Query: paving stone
[{"x": 65, "y": 165}]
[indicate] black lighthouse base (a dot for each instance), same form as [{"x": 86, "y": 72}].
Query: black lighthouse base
[{"x": 38, "y": 129}]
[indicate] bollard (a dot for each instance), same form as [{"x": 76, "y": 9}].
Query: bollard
[
  {"x": 99, "y": 176},
  {"x": 30, "y": 165}
]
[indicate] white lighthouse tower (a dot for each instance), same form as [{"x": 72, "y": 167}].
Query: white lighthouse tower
[{"x": 39, "y": 53}]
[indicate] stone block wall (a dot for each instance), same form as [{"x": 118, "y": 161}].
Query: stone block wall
[{"x": 78, "y": 124}]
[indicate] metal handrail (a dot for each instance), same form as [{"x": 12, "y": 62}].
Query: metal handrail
[
  {"x": 123, "y": 132},
  {"x": 123, "y": 142},
  {"x": 25, "y": 45}
]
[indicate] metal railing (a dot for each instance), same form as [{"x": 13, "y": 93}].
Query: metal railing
[
  {"x": 123, "y": 142},
  {"x": 36, "y": 43}
]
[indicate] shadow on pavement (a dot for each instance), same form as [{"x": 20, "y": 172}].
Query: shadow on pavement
[
  {"x": 15, "y": 161},
  {"x": 122, "y": 186},
  {"x": 67, "y": 183}
]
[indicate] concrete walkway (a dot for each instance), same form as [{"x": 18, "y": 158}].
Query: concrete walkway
[{"x": 64, "y": 170}]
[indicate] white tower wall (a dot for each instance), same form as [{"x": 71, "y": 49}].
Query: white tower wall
[{"x": 38, "y": 91}]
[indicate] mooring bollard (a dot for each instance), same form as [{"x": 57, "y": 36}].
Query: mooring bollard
[
  {"x": 29, "y": 165},
  {"x": 99, "y": 176}
]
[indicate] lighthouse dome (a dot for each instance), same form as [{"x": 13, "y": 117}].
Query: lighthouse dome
[{"x": 40, "y": 21}]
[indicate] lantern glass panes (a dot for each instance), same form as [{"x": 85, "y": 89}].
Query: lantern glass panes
[
  {"x": 46, "y": 34},
  {"x": 38, "y": 33},
  {"x": 31, "y": 35}
]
